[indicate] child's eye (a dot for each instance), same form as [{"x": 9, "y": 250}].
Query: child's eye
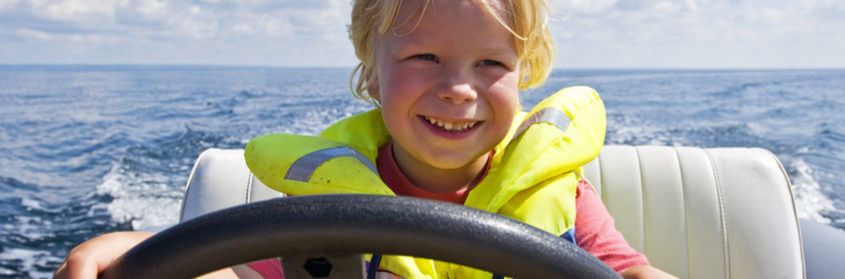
[
  {"x": 488, "y": 62},
  {"x": 426, "y": 56}
]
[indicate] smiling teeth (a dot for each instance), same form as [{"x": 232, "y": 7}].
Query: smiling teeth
[{"x": 449, "y": 126}]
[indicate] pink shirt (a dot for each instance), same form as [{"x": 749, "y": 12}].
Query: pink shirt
[{"x": 595, "y": 231}]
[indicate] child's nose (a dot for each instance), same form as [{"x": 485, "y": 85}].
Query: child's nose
[{"x": 457, "y": 88}]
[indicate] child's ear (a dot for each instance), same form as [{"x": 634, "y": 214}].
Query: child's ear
[{"x": 372, "y": 85}]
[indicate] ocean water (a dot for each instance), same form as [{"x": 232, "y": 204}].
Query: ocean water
[{"x": 86, "y": 150}]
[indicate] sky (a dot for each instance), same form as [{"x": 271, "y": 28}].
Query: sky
[{"x": 312, "y": 33}]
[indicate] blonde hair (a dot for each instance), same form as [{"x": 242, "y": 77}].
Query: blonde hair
[{"x": 534, "y": 45}]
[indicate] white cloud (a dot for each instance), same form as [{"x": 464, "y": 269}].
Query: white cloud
[
  {"x": 589, "y": 33},
  {"x": 691, "y": 5},
  {"x": 33, "y": 34},
  {"x": 76, "y": 10},
  {"x": 7, "y": 4},
  {"x": 152, "y": 9},
  {"x": 195, "y": 23},
  {"x": 589, "y": 7},
  {"x": 773, "y": 16},
  {"x": 85, "y": 38},
  {"x": 63, "y": 39},
  {"x": 663, "y": 8},
  {"x": 274, "y": 27},
  {"x": 702, "y": 33}
]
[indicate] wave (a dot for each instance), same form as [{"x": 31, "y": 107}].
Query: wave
[
  {"x": 27, "y": 263},
  {"x": 10, "y": 184},
  {"x": 810, "y": 202},
  {"x": 37, "y": 234},
  {"x": 831, "y": 134},
  {"x": 743, "y": 88},
  {"x": 143, "y": 200}
]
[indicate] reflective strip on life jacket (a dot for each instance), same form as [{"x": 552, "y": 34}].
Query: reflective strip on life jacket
[
  {"x": 550, "y": 115},
  {"x": 303, "y": 168}
]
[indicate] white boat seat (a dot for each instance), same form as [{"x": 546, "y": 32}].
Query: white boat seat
[{"x": 695, "y": 213}]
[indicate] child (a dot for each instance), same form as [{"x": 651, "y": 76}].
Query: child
[{"x": 446, "y": 75}]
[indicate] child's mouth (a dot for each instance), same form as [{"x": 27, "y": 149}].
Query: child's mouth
[{"x": 449, "y": 126}]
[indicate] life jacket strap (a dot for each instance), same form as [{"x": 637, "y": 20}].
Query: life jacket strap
[{"x": 372, "y": 268}]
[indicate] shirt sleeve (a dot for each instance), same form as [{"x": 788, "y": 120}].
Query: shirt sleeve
[
  {"x": 269, "y": 268},
  {"x": 595, "y": 232}
]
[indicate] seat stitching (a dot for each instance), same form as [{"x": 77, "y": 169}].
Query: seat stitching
[
  {"x": 726, "y": 242},
  {"x": 642, "y": 198},
  {"x": 601, "y": 179},
  {"x": 686, "y": 208},
  {"x": 596, "y": 188},
  {"x": 191, "y": 179},
  {"x": 248, "y": 196},
  {"x": 602, "y": 193}
]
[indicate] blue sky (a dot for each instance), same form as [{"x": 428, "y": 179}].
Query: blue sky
[{"x": 588, "y": 33}]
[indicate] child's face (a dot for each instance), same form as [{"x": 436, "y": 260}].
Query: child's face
[{"x": 449, "y": 88}]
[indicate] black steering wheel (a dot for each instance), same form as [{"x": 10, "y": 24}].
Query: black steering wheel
[{"x": 354, "y": 224}]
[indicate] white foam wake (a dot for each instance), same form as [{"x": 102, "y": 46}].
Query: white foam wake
[
  {"x": 810, "y": 202},
  {"x": 147, "y": 201},
  {"x": 28, "y": 260}
]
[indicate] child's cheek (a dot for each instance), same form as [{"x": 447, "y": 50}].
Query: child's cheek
[
  {"x": 505, "y": 90},
  {"x": 407, "y": 80}
]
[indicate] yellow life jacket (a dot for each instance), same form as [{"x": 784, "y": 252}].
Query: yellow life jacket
[{"x": 532, "y": 176}]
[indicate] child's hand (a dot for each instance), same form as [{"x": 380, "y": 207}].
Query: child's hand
[{"x": 93, "y": 256}]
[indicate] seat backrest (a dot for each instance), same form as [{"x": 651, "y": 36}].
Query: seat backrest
[
  {"x": 702, "y": 213},
  {"x": 221, "y": 179},
  {"x": 695, "y": 213}
]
